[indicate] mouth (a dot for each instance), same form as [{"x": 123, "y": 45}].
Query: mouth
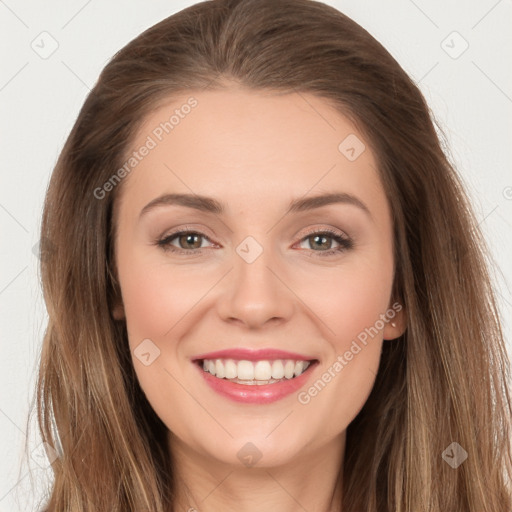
[
  {"x": 255, "y": 373},
  {"x": 252, "y": 376}
]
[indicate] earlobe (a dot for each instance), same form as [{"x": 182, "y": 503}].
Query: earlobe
[
  {"x": 118, "y": 312},
  {"x": 396, "y": 324}
]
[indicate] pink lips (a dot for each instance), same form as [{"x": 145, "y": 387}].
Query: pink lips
[{"x": 257, "y": 394}]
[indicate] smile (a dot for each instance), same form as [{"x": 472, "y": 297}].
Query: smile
[
  {"x": 255, "y": 382},
  {"x": 255, "y": 372}
]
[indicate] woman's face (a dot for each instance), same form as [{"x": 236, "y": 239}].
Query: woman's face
[{"x": 252, "y": 272}]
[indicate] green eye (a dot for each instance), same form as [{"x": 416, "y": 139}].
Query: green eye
[{"x": 185, "y": 237}]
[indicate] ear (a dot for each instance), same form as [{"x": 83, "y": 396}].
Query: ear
[
  {"x": 118, "y": 312},
  {"x": 396, "y": 323}
]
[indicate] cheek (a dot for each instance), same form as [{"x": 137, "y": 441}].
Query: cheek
[
  {"x": 157, "y": 299},
  {"x": 156, "y": 296},
  {"x": 353, "y": 301},
  {"x": 348, "y": 299}
]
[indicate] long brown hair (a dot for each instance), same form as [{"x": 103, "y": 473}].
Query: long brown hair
[{"x": 446, "y": 380}]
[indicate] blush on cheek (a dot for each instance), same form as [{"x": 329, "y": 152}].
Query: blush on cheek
[
  {"x": 348, "y": 305},
  {"x": 158, "y": 298}
]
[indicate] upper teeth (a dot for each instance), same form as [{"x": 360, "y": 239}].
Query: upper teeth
[{"x": 254, "y": 370}]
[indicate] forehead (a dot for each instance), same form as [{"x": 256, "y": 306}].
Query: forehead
[{"x": 248, "y": 146}]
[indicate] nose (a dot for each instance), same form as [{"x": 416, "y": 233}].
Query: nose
[{"x": 256, "y": 293}]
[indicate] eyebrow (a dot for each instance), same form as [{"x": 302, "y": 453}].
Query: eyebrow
[{"x": 211, "y": 205}]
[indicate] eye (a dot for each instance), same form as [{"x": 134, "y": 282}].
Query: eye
[
  {"x": 321, "y": 239},
  {"x": 188, "y": 241}
]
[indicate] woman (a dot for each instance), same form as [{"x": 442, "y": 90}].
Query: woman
[{"x": 249, "y": 370}]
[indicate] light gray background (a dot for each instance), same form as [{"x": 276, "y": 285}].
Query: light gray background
[{"x": 470, "y": 94}]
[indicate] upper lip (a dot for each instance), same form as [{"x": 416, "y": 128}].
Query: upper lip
[{"x": 252, "y": 355}]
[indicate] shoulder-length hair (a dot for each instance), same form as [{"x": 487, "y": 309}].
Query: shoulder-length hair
[{"x": 445, "y": 380}]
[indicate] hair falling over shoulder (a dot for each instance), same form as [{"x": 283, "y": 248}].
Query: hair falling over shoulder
[{"x": 446, "y": 380}]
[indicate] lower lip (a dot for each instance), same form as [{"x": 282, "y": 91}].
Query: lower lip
[{"x": 257, "y": 394}]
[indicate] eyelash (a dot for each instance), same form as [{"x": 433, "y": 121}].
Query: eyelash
[{"x": 345, "y": 243}]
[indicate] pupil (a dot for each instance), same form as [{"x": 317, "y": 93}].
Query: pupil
[
  {"x": 189, "y": 238},
  {"x": 317, "y": 237}
]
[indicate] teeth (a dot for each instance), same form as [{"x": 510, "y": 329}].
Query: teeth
[
  {"x": 255, "y": 372},
  {"x": 289, "y": 369},
  {"x": 277, "y": 369},
  {"x": 262, "y": 370},
  {"x": 230, "y": 369},
  {"x": 220, "y": 371},
  {"x": 245, "y": 370}
]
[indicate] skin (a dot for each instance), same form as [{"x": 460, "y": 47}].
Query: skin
[{"x": 255, "y": 152}]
